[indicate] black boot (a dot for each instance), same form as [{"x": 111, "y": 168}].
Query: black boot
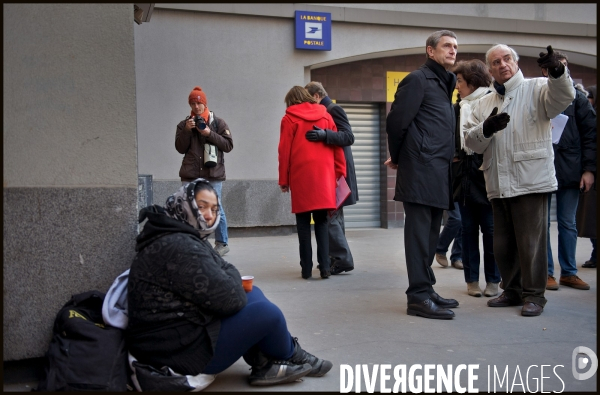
[
  {"x": 267, "y": 371},
  {"x": 325, "y": 273},
  {"x": 337, "y": 268},
  {"x": 319, "y": 366},
  {"x": 443, "y": 302},
  {"x": 306, "y": 270}
]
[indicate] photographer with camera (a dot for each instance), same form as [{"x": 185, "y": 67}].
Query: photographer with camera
[{"x": 204, "y": 138}]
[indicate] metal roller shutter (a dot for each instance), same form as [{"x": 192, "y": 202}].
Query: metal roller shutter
[{"x": 364, "y": 119}]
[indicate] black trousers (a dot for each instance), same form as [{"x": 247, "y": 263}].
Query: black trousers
[
  {"x": 421, "y": 232},
  {"x": 322, "y": 236},
  {"x": 520, "y": 246},
  {"x": 339, "y": 250}
]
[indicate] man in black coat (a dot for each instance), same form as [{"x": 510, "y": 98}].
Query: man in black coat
[
  {"x": 420, "y": 128},
  {"x": 339, "y": 251},
  {"x": 575, "y": 164}
]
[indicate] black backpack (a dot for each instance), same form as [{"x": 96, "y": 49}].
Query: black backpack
[{"x": 84, "y": 353}]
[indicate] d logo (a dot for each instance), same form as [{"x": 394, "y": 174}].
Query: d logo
[{"x": 581, "y": 363}]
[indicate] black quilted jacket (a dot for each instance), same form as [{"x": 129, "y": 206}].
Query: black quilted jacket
[{"x": 178, "y": 290}]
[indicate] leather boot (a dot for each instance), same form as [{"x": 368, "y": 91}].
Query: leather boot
[
  {"x": 306, "y": 270},
  {"x": 443, "y": 302},
  {"x": 429, "y": 309}
]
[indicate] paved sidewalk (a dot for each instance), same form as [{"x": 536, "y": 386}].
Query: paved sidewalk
[{"x": 360, "y": 318}]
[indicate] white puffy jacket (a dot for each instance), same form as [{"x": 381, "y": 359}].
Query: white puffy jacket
[{"x": 519, "y": 159}]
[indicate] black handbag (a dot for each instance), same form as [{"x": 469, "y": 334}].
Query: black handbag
[{"x": 586, "y": 214}]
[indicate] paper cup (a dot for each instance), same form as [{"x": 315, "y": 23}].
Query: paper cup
[{"x": 247, "y": 283}]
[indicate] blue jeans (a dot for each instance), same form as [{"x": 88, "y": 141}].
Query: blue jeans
[
  {"x": 259, "y": 323},
  {"x": 451, "y": 231},
  {"x": 566, "y": 207},
  {"x": 221, "y": 232},
  {"x": 475, "y": 216}
]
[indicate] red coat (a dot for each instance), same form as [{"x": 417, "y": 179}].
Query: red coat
[{"x": 310, "y": 169}]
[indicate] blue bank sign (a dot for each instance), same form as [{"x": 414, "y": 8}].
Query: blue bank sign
[{"x": 313, "y": 30}]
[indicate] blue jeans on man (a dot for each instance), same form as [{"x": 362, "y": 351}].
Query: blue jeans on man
[
  {"x": 452, "y": 231},
  {"x": 566, "y": 207}
]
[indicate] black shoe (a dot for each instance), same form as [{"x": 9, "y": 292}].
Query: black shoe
[
  {"x": 306, "y": 271},
  {"x": 446, "y": 303},
  {"x": 337, "y": 268},
  {"x": 324, "y": 273},
  {"x": 429, "y": 309},
  {"x": 319, "y": 366},
  {"x": 278, "y": 372},
  {"x": 589, "y": 264}
]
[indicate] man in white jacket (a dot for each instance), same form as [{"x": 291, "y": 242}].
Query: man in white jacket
[{"x": 511, "y": 127}]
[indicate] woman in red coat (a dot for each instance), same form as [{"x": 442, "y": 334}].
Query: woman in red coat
[{"x": 310, "y": 171}]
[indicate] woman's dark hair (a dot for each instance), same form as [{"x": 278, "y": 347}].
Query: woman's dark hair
[
  {"x": 474, "y": 72},
  {"x": 298, "y": 95},
  {"x": 204, "y": 186}
]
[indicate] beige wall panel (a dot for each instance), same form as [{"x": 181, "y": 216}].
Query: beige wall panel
[
  {"x": 69, "y": 95},
  {"x": 581, "y": 13},
  {"x": 246, "y": 64}
]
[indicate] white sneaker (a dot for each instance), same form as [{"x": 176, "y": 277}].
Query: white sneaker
[
  {"x": 441, "y": 259},
  {"x": 473, "y": 289},
  {"x": 491, "y": 289}
]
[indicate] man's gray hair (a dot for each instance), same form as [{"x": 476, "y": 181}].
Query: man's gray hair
[
  {"x": 434, "y": 39},
  {"x": 513, "y": 53},
  {"x": 316, "y": 87}
]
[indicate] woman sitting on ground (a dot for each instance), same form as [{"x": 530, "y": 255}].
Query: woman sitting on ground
[
  {"x": 188, "y": 309},
  {"x": 309, "y": 171}
]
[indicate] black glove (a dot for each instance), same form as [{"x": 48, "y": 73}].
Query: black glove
[
  {"x": 551, "y": 62},
  {"x": 317, "y": 134},
  {"x": 495, "y": 122}
]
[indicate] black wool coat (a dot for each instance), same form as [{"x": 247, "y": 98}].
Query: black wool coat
[
  {"x": 468, "y": 182},
  {"x": 344, "y": 138},
  {"x": 420, "y": 128},
  {"x": 576, "y": 149}
]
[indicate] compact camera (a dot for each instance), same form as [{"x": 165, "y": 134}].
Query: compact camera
[{"x": 200, "y": 124}]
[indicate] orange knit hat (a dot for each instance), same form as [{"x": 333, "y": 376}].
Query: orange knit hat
[{"x": 196, "y": 95}]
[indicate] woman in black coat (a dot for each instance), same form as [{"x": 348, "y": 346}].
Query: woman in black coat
[
  {"x": 472, "y": 83},
  {"x": 188, "y": 309}
]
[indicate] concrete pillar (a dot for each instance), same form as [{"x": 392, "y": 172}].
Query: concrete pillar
[{"x": 70, "y": 160}]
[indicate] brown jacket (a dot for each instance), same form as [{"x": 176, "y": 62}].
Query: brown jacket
[{"x": 191, "y": 144}]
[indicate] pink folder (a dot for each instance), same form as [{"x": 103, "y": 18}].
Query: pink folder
[{"x": 341, "y": 192}]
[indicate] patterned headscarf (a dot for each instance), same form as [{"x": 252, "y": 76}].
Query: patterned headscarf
[{"x": 182, "y": 206}]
